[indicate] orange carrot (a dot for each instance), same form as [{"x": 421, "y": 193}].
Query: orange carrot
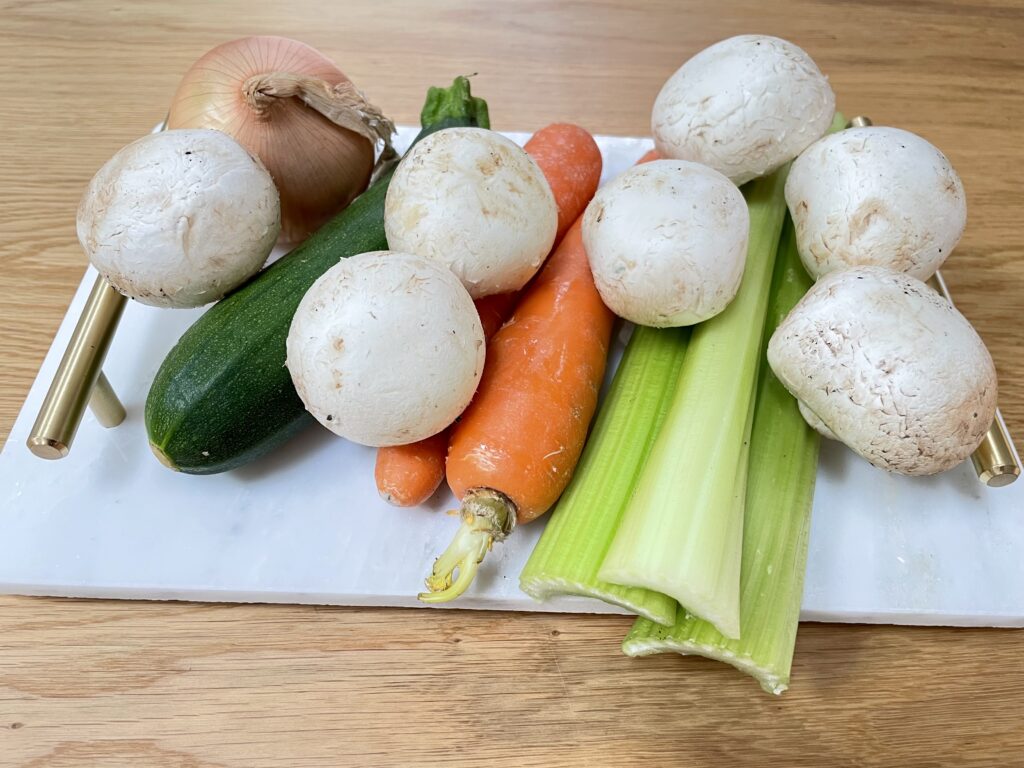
[
  {"x": 516, "y": 446},
  {"x": 570, "y": 159},
  {"x": 649, "y": 155},
  {"x": 571, "y": 162},
  {"x": 408, "y": 475},
  {"x": 494, "y": 311}
]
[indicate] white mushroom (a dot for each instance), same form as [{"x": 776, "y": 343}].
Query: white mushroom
[
  {"x": 474, "y": 201},
  {"x": 667, "y": 242},
  {"x": 875, "y": 195},
  {"x": 179, "y": 218},
  {"x": 744, "y": 106},
  {"x": 890, "y": 367},
  {"x": 386, "y": 348},
  {"x": 814, "y": 422}
]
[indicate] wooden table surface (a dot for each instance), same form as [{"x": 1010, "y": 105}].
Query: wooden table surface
[{"x": 89, "y": 683}]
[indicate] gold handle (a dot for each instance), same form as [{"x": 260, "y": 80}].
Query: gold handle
[
  {"x": 80, "y": 379},
  {"x": 996, "y": 460},
  {"x": 104, "y": 403},
  {"x": 74, "y": 384}
]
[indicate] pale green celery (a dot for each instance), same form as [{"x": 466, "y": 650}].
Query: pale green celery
[
  {"x": 737, "y": 504},
  {"x": 681, "y": 534},
  {"x": 570, "y": 552},
  {"x": 780, "y": 491}
]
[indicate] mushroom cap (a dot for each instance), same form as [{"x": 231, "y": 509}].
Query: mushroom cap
[
  {"x": 875, "y": 195},
  {"x": 890, "y": 367},
  {"x": 743, "y": 106},
  {"x": 386, "y": 348},
  {"x": 476, "y": 202},
  {"x": 814, "y": 422},
  {"x": 667, "y": 242},
  {"x": 179, "y": 218}
]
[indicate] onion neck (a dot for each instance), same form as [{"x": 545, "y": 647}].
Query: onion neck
[
  {"x": 341, "y": 103},
  {"x": 259, "y": 94}
]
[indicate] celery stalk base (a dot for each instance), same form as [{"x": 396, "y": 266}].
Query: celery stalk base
[
  {"x": 780, "y": 493},
  {"x": 569, "y": 554}
]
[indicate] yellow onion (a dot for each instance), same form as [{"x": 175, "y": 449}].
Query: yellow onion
[{"x": 296, "y": 111}]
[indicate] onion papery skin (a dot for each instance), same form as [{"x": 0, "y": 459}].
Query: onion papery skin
[{"x": 319, "y": 167}]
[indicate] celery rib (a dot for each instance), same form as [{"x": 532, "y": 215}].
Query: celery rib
[
  {"x": 680, "y": 534},
  {"x": 569, "y": 554},
  {"x": 780, "y": 492}
]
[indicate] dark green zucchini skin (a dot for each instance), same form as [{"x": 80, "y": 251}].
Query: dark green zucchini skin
[{"x": 222, "y": 396}]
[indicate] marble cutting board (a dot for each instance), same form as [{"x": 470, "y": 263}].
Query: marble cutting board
[{"x": 305, "y": 525}]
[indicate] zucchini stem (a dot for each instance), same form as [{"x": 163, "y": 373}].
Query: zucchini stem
[
  {"x": 446, "y": 106},
  {"x": 487, "y": 516}
]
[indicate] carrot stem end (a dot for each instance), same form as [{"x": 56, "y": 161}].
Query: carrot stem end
[{"x": 487, "y": 516}]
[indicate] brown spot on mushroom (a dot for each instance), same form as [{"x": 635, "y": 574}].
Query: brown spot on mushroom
[
  {"x": 866, "y": 215},
  {"x": 489, "y": 165},
  {"x": 412, "y": 215}
]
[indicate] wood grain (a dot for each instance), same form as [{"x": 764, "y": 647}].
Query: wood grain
[{"x": 87, "y": 683}]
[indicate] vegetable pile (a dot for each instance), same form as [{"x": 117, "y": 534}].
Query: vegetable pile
[
  {"x": 223, "y": 395},
  {"x": 456, "y": 314}
]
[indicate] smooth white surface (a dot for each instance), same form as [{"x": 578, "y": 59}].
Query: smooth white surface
[{"x": 305, "y": 525}]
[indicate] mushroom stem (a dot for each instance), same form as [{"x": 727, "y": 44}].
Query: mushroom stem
[{"x": 487, "y": 516}]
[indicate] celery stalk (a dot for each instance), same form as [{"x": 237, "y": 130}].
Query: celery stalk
[
  {"x": 680, "y": 534},
  {"x": 780, "y": 491},
  {"x": 570, "y": 552},
  {"x": 738, "y": 501}
]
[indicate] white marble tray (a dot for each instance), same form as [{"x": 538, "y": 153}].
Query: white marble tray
[{"x": 305, "y": 525}]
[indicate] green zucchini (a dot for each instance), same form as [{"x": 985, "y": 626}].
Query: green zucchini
[{"x": 223, "y": 396}]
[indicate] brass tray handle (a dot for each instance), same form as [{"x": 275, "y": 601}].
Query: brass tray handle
[{"x": 79, "y": 379}]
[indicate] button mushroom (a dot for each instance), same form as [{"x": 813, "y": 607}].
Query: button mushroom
[
  {"x": 386, "y": 348},
  {"x": 744, "y": 106},
  {"x": 476, "y": 202},
  {"x": 875, "y": 195},
  {"x": 890, "y": 367},
  {"x": 179, "y": 218},
  {"x": 814, "y": 422},
  {"x": 667, "y": 242}
]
